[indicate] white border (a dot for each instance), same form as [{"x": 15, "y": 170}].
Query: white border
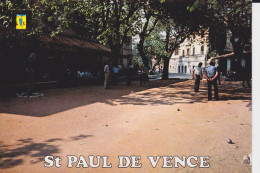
[{"x": 256, "y": 87}]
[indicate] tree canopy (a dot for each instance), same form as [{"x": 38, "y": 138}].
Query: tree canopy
[
  {"x": 223, "y": 16},
  {"x": 111, "y": 22}
]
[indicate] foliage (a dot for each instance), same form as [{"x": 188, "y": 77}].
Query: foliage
[
  {"x": 224, "y": 16},
  {"x": 150, "y": 13},
  {"x": 178, "y": 24},
  {"x": 154, "y": 45},
  {"x": 111, "y": 22}
]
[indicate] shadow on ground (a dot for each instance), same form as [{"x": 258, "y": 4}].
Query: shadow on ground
[
  {"x": 62, "y": 99},
  {"x": 182, "y": 93},
  {"x": 13, "y": 155},
  {"x": 154, "y": 93}
]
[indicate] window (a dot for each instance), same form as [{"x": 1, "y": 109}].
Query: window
[
  {"x": 202, "y": 49},
  {"x": 179, "y": 69},
  {"x": 183, "y": 53},
  {"x": 176, "y": 51},
  {"x": 193, "y": 52},
  {"x": 188, "y": 52}
]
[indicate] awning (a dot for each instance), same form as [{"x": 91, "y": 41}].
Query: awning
[
  {"x": 73, "y": 43},
  {"x": 230, "y": 55}
]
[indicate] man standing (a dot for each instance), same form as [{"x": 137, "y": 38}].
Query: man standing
[
  {"x": 106, "y": 70},
  {"x": 197, "y": 71},
  {"x": 143, "y": 75},
  {"x": 211, "y": 74}
]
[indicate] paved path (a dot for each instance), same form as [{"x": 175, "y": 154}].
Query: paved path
[
  {"x": 180, "y": 76},
  {"x": 164, "y": 118},
  {"x": 171, "y": 76}
]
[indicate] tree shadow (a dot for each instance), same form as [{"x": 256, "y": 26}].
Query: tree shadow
[
  {"x": 182, "y": 93},
  {"x": 62, "y": 99},
  {"x": 249, "y": 105},
  {"x": 54, "y": 140},
  {"x": 154, "y": 93},
  {"x": 13, "y": 155},
  {"x": 9, "y": 156},
  {"x": 80, "y": 137}
]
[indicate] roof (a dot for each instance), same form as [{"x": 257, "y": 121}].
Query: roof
[
  {"x": 74, "y": 42},
  {"x": 229, "y": 55}
]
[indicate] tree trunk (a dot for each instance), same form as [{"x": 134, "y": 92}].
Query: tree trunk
[
  {"x": 237, "y": 45},
  {"x": 238, "y": 53},
  {"x": 142, "y": 53},
  {"x": 166, "y": 61},
  {"x": 116, "y": 55},
  {"x": 157, "y": 63}
]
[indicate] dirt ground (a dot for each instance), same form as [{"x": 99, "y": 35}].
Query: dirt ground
[{"x": 164, "y": 118}]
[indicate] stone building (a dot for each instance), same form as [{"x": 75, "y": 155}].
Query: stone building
[
  {"x": 126, "y": 52},
  {"x": 189, "y": 54}
]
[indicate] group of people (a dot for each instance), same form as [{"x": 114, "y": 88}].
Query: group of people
[
  {"x": 212, "y": 75},
  {"x": 85, "y": 74},
  {"x": 112, "y": 74}
]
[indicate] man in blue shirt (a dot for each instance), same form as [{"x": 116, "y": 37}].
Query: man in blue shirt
[{"x": 211, "y": 74}]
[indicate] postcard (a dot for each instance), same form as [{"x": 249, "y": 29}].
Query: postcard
[{"x": 129, "y": 86}]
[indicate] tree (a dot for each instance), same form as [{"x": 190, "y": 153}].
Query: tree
[
  {"x": 179, "y": 23},
  {"x": 217, "y": 39},
  {"x": 110, "y": 22},
  {"x": 149, "y": 16},
  {"x": 154, "y": 47},
  {"x": 233, "y": 16},
  {"x": 44, "y": 17},
  {"x": 118, "y": 25}
]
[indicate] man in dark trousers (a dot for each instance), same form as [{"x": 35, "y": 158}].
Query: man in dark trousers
[
  {"x": 143, "y": 75},
  {"x": 197, "y": 71},
  {"x": 211, "y": 74}
]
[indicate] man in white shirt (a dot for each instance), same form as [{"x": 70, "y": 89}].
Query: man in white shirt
[{"x": 197, "y": 72}]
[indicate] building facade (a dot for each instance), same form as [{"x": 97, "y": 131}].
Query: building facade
[
  {"x": 189, "y": 54},
  {"x": 126, "y": 52}
]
